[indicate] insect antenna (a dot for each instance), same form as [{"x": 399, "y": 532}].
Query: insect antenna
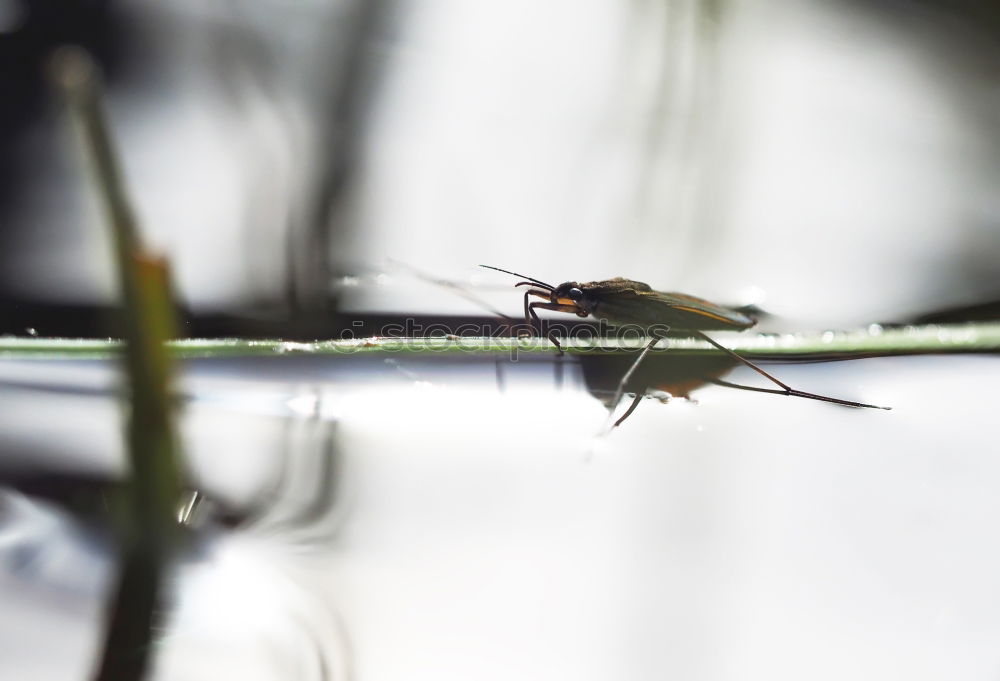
[
  {"x": 532, "y": 280},
  {"x": 455, "y": 287}
]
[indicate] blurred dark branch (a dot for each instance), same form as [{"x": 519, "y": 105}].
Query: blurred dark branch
[{"x": 308, "y": 287}]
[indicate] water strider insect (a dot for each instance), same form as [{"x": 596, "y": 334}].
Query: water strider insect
[{"x": 622, "y": 302}]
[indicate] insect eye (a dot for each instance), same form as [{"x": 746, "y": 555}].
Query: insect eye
[{"x": 575, "y": 294}]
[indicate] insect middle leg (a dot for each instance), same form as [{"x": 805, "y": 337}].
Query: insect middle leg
[
  {"x": 639, "y": 396},
  {"x": 623, "y": 383}
]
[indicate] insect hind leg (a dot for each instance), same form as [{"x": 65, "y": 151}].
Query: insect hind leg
[{"x": 785, "y": 388}]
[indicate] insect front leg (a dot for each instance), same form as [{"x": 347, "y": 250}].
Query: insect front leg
[
  {"x": 530, "y": 307},
  {"x": 530, "y": 316}
]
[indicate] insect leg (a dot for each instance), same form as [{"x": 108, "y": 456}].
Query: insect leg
[
  {"x": 537, "y": 324},
  {"x": 628, "y": 377},
  {"x": 530, "y": 308},
  {"x": 530, "y": 316},
  {"x": 727, "y": 384},
  {"x": 785, "y": 389},
  {"x": 501, "y": 379},
  {"x": 631, "y": 408}
]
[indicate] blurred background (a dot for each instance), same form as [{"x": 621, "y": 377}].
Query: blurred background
[
  {"x": 835, "y": 163},
  {"x": 308, "y": 166}
]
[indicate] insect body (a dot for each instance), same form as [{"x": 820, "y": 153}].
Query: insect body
[{"x": 622, "y": 302}]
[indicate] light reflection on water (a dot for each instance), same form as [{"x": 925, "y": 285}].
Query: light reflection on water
[{"x": 414, "y": 520}]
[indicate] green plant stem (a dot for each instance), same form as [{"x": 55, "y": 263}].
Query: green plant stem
[
  {"x": 149, "y": 529},
  {"x": 910, "y": 340}
]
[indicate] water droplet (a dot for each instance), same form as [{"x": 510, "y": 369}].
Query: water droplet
[
  {"x": 875, "y": 329},
  {"x": 31, "y": 331},
  {"x": 828, "y": 336}
]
